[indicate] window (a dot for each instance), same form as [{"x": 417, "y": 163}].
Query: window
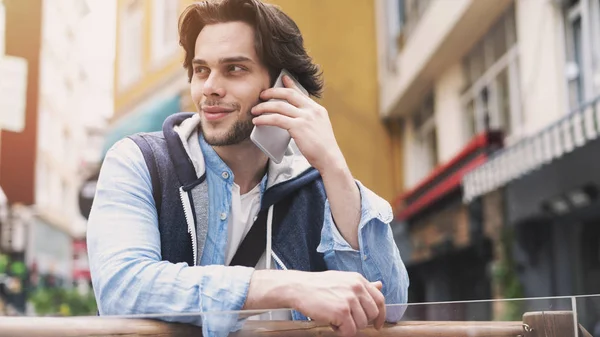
[
  {"x": 582, "y": 34},
  {"x": 575, "y": 67},
  {"x": 402, "y": 16},
  {"x": 423, "y": 144},
  {"x": 492, "y": 98},
  {"x": 165, "y": 14},
  {"x": 130, "y": 43},
  {"x": 412, "y": 11}
]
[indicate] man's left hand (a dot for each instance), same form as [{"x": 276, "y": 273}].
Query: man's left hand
[{"x": 307, "y": 122}]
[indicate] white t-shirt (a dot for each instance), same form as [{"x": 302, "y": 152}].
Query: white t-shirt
[{"x": 244, "y": 209}]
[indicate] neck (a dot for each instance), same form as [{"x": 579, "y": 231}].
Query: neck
[{"x": 247, "y": 162}]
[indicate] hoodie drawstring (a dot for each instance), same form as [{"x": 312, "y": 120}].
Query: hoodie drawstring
[{"x": 269, "y": 250}]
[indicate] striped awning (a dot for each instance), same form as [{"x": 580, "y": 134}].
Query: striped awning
[{"x": 531, "y": 153}]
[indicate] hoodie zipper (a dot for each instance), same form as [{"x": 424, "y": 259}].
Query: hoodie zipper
[
  {"x": 189, "y": 219},
  {"x": 278, "y": 261}
]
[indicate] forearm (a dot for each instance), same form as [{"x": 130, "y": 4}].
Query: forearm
[
  {"x": 270, "y": 289},
  {"x": 142, "y": 286},
  {"x": 378, "y": 258},
  {"x": 344, "y": 201}
]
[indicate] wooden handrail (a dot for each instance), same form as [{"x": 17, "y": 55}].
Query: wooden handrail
[
  {"x": 559, "y": 323},
  {"x": 96, "y": 326}
]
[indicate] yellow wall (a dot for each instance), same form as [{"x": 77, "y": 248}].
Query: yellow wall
[
  {"x": 342, "y": 39},
  {"x": 151, "y": 75}
]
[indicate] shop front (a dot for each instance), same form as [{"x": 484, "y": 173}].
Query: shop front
[
  {"x": 550, "y": 184},
  {"x": 448, "y": 253}
]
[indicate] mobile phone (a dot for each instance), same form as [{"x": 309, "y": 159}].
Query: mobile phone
[{"x": 273, "y": 140}]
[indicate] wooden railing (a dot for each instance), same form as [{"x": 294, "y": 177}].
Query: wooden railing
[{"x": 534, "y": 324}]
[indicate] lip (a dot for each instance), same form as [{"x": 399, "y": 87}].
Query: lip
[
  {"x": 215, "y": 109},
  {"x": 213, "y": 113}
]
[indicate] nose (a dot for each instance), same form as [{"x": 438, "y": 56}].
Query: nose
[{"x": 213, "y": 86}]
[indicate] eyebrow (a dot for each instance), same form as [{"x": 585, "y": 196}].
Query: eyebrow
[{"x": 225, "y": 60}]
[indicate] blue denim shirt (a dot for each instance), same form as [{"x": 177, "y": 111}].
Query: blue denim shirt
[
  {"x": 129, "y": 277},
  {"x": 219, "y": 191}
]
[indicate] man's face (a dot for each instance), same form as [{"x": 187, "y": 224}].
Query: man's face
[{"x": 228, "y": 79}]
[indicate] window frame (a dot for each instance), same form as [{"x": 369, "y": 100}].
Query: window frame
[
  {"x": 130, "y": 61},
  {"x": 423, "y": 147},
  {"x": 488, "y": 82},
  {"x": 588, "y": 71},
  {"x": 161, "y": 48}
]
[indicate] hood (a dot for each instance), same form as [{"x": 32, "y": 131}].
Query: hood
[{"x": 181, "y": 134}]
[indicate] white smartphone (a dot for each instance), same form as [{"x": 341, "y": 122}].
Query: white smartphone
[{"x": 272, "y": 140}]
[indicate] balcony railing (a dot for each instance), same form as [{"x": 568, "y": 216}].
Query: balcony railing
[{"x": 557, "y": 316}]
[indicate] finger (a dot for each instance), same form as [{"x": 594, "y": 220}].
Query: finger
[
  {"x": 369, "y": 306},
  {"x": 281, "y": 121},
  {"x": 358, "y": 314},
  {"x": 377, "y": 284},
  {"x": 293, "y": 96},
  {"x": 279, "y": 107},
  {"x": 374, "y": 289},
  {"x": 343, "y": 323},
  {"x": 348, "y": 328}
]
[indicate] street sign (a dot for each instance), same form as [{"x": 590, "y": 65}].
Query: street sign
[{"x": 13, "y": 93}]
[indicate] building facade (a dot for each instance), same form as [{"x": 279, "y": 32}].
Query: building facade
[
  {"x": 45, "y": 160},
  {"x": 469, "y": 83},
  {"x": 151, "y": 84}
]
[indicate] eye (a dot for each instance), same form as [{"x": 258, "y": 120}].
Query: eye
[
  {"x": 200, "y": 70},
  {"x": 236, "y": 69}
]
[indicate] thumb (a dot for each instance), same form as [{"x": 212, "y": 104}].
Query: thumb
[{"x": 377, "y": 284}]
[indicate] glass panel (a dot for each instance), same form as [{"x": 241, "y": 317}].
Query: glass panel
[
  {"x": 431, "y": 148},
  {"x": 549, "y": 316},
  {"x": 476, "y": 63},
  {"x": 471, "y": 122},
  {"x": 503, "y": 99},
  {"x": 499, "y": 40},
  {"x": 171, "y": 15},
  {"x": 588, "y": 315},
  {"x": 482, "y": 109},
  {"x": 401, "y": 12},
  {"x": 576, "y": 95},
  {"x": 511, "y": 29}
]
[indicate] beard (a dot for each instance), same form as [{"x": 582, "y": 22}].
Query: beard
[{"x": 237, "y": 133}]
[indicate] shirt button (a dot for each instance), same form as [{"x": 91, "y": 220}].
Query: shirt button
[
  {"x": 223, "y": 216},
  {"x": 225, "y": 175},
  {"x": 365, "y": 257}
]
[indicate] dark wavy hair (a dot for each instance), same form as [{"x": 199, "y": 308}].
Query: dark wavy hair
[{"x": 278, "y": 41}]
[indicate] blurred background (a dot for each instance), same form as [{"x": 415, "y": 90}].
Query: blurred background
[{"x": 476, "y": 119}]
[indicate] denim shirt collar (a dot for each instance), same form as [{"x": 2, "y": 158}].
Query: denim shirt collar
[
  {"x": 211, "y": 158},
  {"x": 214, "y": 163}
]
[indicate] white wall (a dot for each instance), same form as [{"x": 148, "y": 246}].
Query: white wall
[
  {"x": 541, "y": 58},
  {"x": 76, "y": 95},
  {"x": 449, "y": 115},
  {"x": 412, "y": 171}
]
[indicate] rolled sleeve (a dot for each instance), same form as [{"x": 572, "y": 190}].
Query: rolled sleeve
[
  {"x": 378, "y": 257},
  {"x": 128, "y": 275}
]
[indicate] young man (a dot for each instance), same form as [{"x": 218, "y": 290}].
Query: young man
[{"x": 173, "y": 208}]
